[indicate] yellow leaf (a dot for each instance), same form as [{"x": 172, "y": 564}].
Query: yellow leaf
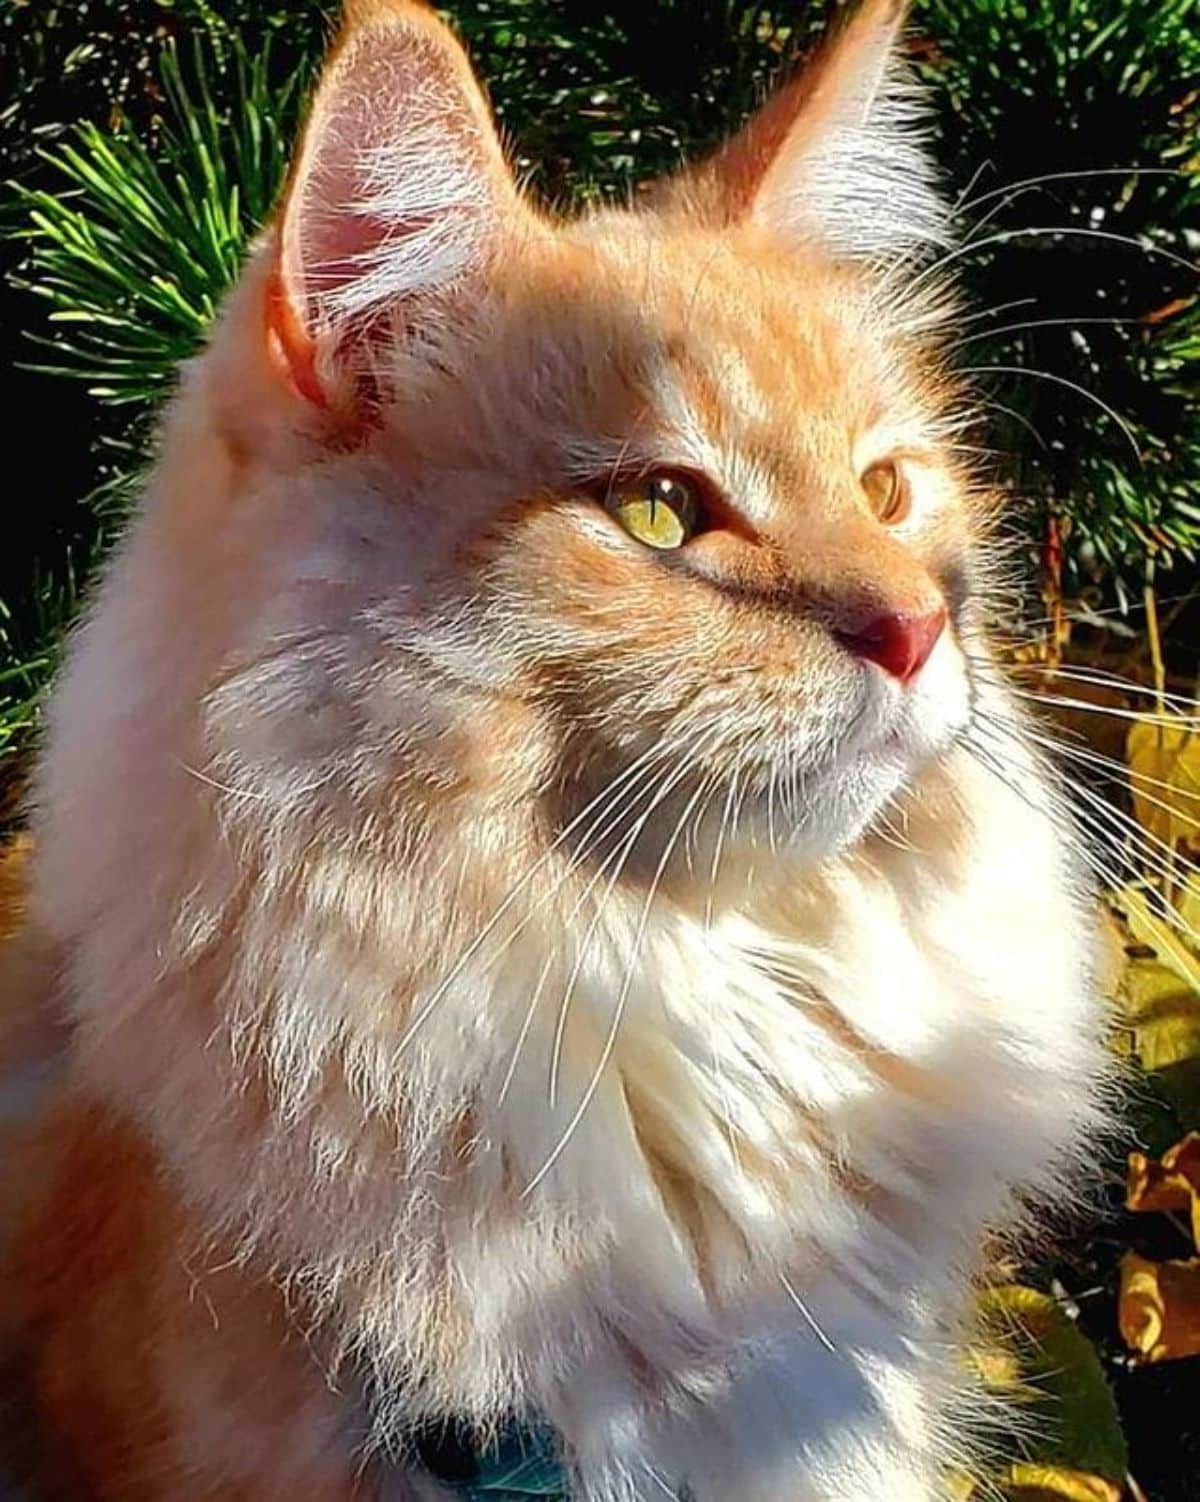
[
  {"x": 1042, "y": 1483},
  {"x": 1170, "y": 1184},
  {"x": 1163, "y": 1011},
  {"x": 997, "y": 1367},
  {"x": 12, "y": 886},
  {"x": 1169, "y": 941},
  {"x": 960, "y": 1487},
  {"x": 1158, "y": 1308},
  {"x": 1110, "y": 955},
  {"x": 1164, "y": 767},
  {"x": 1187, "y": 905}
]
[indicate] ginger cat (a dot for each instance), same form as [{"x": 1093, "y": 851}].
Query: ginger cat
[{"x": 542, "y": 934}]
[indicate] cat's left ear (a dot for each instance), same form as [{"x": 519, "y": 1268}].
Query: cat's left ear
[
  {"x": 399, "y": 201},
  {"x": 836, "y": 157}
]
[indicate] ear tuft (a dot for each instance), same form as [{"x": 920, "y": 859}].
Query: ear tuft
[
  {"x": 399, "y": 193},
  {"x": 837, "y": 157},
  {"x": 862, "y": 179}
]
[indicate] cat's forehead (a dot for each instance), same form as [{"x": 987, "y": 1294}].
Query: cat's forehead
[
  {"x": 714, "y": 345},
  {"x": 703, "y": 292}
]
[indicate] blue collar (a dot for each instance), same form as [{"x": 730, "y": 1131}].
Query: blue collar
[{"x": 522, "y": 1463}]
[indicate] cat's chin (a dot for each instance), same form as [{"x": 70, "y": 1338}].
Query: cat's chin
[
  {"x": 838, "y": 808},
  {"x": 817, "y": 786},
  {"x": 897, "y": 735}
]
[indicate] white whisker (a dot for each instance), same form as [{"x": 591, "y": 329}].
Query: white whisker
[
  {"x": 1058, "y": 380},
  {"x": 619, "y": 1008}
]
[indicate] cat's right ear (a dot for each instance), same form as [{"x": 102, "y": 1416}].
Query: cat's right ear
[{"x": 399, "y": 200}]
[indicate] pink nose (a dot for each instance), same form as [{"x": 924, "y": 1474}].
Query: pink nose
[{"x": 899, "y": 643}]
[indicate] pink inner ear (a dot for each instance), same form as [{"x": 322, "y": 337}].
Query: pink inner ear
[
  {"x": 329, "y": 231},
  {"x": 395, "y": 198},
  {"x": 290, "y": 344}
]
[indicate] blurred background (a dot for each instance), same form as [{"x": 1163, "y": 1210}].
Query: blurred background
[{"x": 143, "y": 143}]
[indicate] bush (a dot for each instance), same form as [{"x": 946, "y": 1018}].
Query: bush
[
  {"x": 1082, "y": 118},
  {"x": 149, "y": 136}
]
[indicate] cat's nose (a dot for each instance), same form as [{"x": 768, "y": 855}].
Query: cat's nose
[{"x": 899, "y": 643}]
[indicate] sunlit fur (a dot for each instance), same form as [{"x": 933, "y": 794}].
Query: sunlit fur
[{"x": 542, "y": 974}]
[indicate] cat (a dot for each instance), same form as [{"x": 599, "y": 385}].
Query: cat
[{"x": 541, "y": 937}]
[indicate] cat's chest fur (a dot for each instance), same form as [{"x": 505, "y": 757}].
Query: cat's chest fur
[
  {"x": 763, "y": 1146},
  {"x": 852, "y": 1075}
]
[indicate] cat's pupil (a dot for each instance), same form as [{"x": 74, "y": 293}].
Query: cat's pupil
[
  {"x": 661, "y": 511},
  {"x": 668, "y": 492}
]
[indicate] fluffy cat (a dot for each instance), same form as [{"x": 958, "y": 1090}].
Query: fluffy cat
[{"x": 540, "y": 935}]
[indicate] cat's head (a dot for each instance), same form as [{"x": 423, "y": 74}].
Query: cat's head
[{"x": 666, "y": 494}]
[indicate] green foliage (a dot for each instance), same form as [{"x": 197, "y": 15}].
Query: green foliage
[
  {"x": 148, "y": 142},
  {"x": 624, "y": 89},
  {"x": 148, "y": 138},
  {"x": 29, "y": 650},
  {"x": 135, "y": 247},
  {"x": 1036, "y": 1357},
  {"x": 1072, "y": 129}
]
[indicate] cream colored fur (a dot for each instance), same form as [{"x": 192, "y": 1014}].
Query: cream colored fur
[{"x": 691, "y": 1158}]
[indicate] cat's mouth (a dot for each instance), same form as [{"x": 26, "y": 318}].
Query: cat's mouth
[{"x": 801, "y": 777}]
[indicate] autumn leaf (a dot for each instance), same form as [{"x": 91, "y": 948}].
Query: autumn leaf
[
  {"x": 1039, "y": 1483},
  {"x": 13, "y": 858},
  {"x": 1172, "y": 1183},
  {"x": 1165, "y": 933},
  {"x": 1187, "y": 905},
  {"x": 1024, "y": 1482},
  {"x": 1164, "y": 777},
  {"x": 1162, "y": 1011},
  {"x": 1033, "y": 1352},
  {"x": 1159, "y": 1307}
]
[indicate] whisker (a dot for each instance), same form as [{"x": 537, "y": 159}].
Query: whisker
[
  {"x": 620, "y": 856},
  {"x": 716, "y": 1062},
  {"x": 719, "y": 845},
  {"x": 1189, "y": 722},
  {"x": 1133, "y": 607},
  {"x": 1003, "y": 307},
  {"x": 619, "y": 1008},
  {"x": 991, "y": 404},
  {"x": 1052, "y": 177},
  {"x": 1042, "y": 323},
  {"x": 1115, "y": 814},
  {"x": 1101, "y": 678},
  {"x": 805, "y": 1312},
  {"x": 963, "y": 201},
  {"x": 1119, "y": 771},
  {"x": 1086, "y": 809},
  {"x": 526, "y": 1024},
  {"x": 1001, "y": 237},
  {"x": 991, "y": 762},
  {"x": 251, "y": 793},
  {"x": 612, "y": 790},
  {"x": 1058, "y": 380}
]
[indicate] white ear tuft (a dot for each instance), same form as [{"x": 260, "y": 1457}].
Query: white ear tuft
[
  {"x": 426, "y": 216},
  {"x": 836, "y": 157},
  {"x": 862, "y": 182},
  {"x": 399, "y": 194}
]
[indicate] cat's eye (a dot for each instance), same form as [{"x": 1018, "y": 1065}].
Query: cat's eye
[
  {"x": 661, "y": 510},
  {"x": 885, "y": 486}
]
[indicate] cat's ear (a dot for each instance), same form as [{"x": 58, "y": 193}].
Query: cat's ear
[
  {"x": 399, "y": 197},
  {"x": 837, "y": 155}
]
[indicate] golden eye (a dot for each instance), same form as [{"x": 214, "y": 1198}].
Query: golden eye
[
  {"x": 662, "y": 511},
  {"x": 886, "y": 488}
]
